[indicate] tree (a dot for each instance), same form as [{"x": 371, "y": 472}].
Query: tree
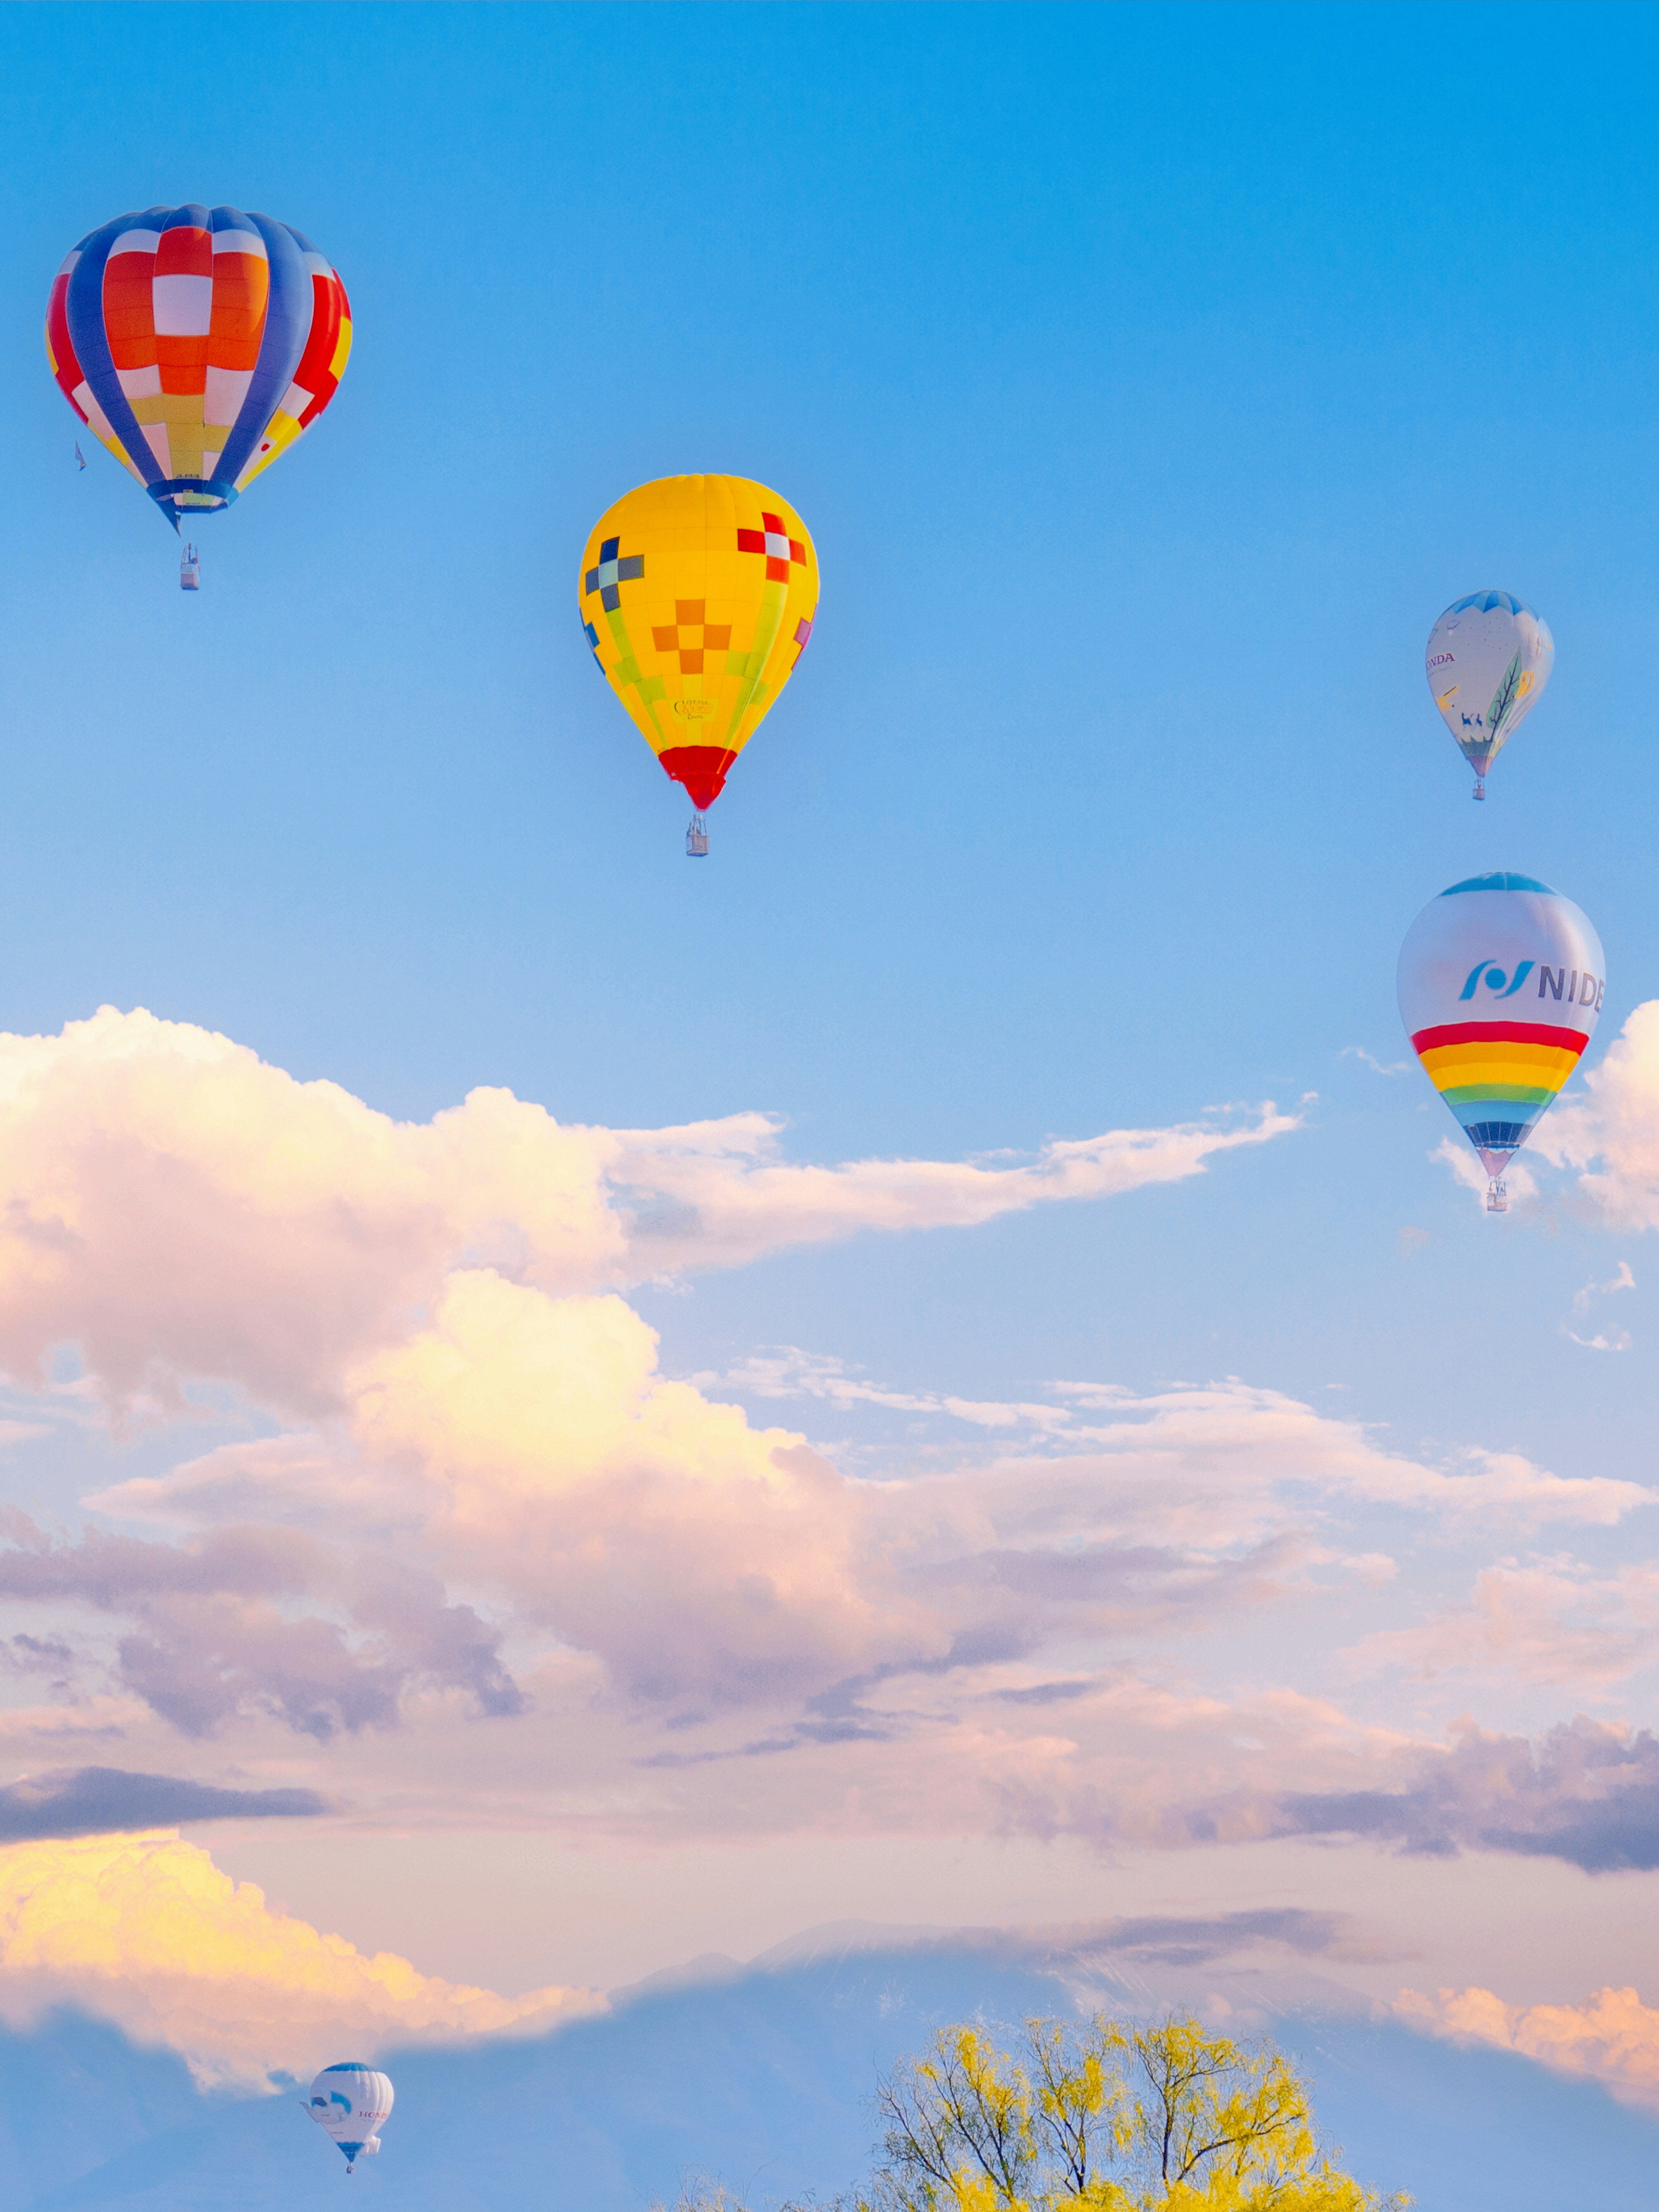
[{"x": 1109, "y": 2115}]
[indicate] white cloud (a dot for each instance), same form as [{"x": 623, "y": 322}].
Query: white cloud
[
  {"x": 179, "y": 1208},
  {"x": 1608, "y": 1131},
  {"x": 679, "y": 1618},
  {"x": 1547, "y": 1621},
  {"x": 1377, "y": 1067},
  {"x": 785, "y": 1371},
  {"x": 1623, "y": 1280},
  {"x": 1613, "y": 2037},
  {"x": 147, "y": 1931},
  {"x": 1520, "y": 1184}
]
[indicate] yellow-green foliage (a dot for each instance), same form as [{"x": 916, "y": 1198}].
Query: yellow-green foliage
[{"x": 1111, "y": 2116}]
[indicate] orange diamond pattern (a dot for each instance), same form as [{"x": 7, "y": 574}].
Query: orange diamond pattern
[{"x": 690, "y": 635}]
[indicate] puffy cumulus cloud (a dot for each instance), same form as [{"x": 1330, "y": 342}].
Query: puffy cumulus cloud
[
  {"x": 1587, "y": 1792},
  {"x": 1613, "y": 2037},
  {"x": 697, "y": 1557},
  {"x": 179, "y": 1208},
  {"x": 540, "y": 1459},
  {"x": 544, "y": 1460},
  {"x": 88, "y": 1800},
  {"x": 487, "y": 1502},
  {"x": 147, "y": 1931},
  {"x": 1609, "y": 1131},
  {"x": 210, "y": 1636}
]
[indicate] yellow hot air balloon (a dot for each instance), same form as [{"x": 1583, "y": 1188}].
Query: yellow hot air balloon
[{"x": 697, "y": 595}]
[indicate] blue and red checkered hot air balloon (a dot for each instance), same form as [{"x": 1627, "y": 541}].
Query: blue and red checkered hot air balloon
[{"x": 197, "y": 343}]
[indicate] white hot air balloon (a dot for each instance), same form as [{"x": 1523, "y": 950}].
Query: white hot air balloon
[
  {"x": 350, "y": 2102},
  {"x": 1501, "y": 981},
  {"x": 1489, "y": 658}
]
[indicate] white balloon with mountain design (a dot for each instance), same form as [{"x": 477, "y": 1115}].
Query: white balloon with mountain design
[
  {"x": 1489, "y": 658},
  {"x": 350, "y": 2102}
]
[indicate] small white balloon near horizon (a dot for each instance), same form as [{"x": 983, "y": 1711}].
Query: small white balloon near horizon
[
  {"x": 1488, "y": 659},
  {"x": 350, "y": 2102}
]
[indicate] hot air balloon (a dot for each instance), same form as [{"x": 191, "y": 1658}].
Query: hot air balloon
[
  {"x": 1488, "y": 659},
  {"x": 697, "y": 596},
  {"x": 197, "y": 344},
  {"x": 1500, "y": 985},
  {"x": 351, "y": 2102}
]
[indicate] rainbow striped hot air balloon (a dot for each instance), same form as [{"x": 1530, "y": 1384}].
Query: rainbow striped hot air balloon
[
  {"x": 1501, "y": 981},
  {"x": 197, "y": 343}
]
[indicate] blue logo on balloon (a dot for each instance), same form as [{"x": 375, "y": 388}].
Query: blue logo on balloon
[{"x": 1503, "y": 986}]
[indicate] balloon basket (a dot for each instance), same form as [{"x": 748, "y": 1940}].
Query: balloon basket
[
  {"x": 1498, "y": 1197},
  {"x": 1480, "y": 791},
  {"x": 190, "y": 570},
  {"x": 696, "y": 839}
]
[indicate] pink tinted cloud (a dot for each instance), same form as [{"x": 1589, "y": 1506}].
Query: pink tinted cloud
[
  {"x": 491, "y": 1505},
  {"x": 177, "y": 1207},
  {"x": 146, "y": 1930},
  {"x": 1608, "y": 1131},
  {"x": 1548, "y": 1621},
  {"x": 1613, "y": 2037}
]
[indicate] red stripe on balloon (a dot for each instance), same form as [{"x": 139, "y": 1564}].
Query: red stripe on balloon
[{"x": 1500, "y": 1033}]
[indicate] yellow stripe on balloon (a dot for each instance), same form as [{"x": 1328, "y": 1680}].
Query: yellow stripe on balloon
[{"x": 1514, "y": 1052}]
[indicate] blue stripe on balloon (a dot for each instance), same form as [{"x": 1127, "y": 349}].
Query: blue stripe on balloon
[
  {"x": 1496, "y": 1122},
  {"x": 287, "y": 325},
  {"x": 220, "y": 488},
  {"x": 83, "y": 309}
]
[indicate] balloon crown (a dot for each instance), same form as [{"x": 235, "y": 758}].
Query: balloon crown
[
  {"x": 1485, "y": 601},
  {"x": 1501, "y": 882}
]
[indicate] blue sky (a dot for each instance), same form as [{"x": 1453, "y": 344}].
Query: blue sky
[{"x": 1149, "y": 378}]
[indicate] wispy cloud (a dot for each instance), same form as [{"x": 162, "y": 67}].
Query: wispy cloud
[
  {"x": 1619, "y": 1339},
  {"x": 1546, "y": 1620},
  {"x": 88, "y": 1801}
]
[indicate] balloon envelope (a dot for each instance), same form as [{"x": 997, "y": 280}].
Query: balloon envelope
[
  {"x": 1500, "y": 985},
  {"x": 1488, "y": 659},
  {"x": 197, "y": 343},
  {"x": 350, "y": 2101},
  {"x": 697, "y": 595}
]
